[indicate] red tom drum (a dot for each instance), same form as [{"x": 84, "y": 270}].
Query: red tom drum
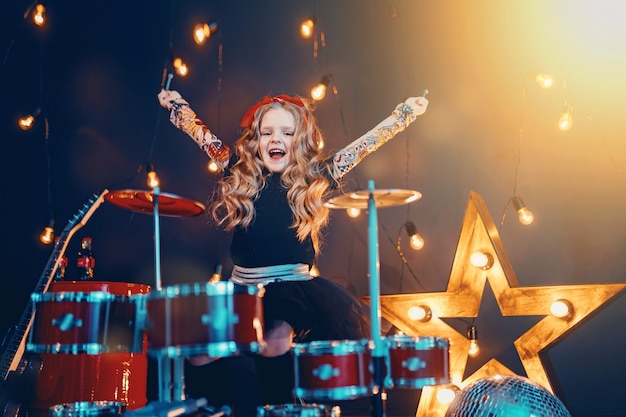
[
  {"x": 333, "y": 369},
  {"x": 215, "y": 319},
  {"x": 417, "y": 361}
]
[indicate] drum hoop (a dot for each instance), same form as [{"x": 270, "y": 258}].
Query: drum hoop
[
  {"x": 334, "y": 347},
  {"x": 80, "y": 296},
  {"x": 417, "y": 342}
]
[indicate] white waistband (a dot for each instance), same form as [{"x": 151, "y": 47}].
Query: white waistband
[{"x": 268, "y": 274}]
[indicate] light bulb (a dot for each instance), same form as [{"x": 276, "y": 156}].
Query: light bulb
[
  {"x": 445, "y": 395},
  {"x": 319, "y": 91},
  {"x": 353, "y": 212},
  {"x": 213, "y": 167},
  {"x": 544, "y": 80},
  {"x": 566, "y": 121},
  {"x": 306, "y": 27},
  {"x": 26, "y": 122},
  {"x": 47, "y": 236},
  {"x": 152, "y": 179},
  {"x": 415, "y": 240},
  {"x": 180, "y": 67},
  {"x": 39, "y": 14},
  {"x": 472, "y": 335},
  {"x": 481, "y": 260},
  {"x": 203, "y": 31},
  {"x": 561, "y": 309},
  {"x": 526, "y": 217},
  {"x": 420, "y": 313},
  {"x": 314, "y": 271}
]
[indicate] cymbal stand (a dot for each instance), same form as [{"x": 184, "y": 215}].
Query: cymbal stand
[
  {"x": 171, "y": 371},
  {"x": 378, "y": 352}
]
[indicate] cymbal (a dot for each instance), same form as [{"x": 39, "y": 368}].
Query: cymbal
[
  {"x": 143, "y": 202},
  {"x": 382, "y": 198}
]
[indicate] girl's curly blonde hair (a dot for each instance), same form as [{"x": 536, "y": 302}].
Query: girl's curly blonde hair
[{"x": 307, "y": 179}]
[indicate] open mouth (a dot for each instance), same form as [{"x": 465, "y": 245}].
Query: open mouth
[{"x": 276, "y": 153}]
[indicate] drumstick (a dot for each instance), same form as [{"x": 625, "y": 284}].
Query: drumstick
[
  {"x": 425, "y": 92},
  {"x": 169, "y": 80}
]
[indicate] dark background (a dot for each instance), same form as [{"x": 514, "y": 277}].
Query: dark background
[{"x": 96, "y": 68}]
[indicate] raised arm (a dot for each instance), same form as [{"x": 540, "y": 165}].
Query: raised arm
[
  {"x": 184, "y": 118},
  {"x": 404, "y": 114}
]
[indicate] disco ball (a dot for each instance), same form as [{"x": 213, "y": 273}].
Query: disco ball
[{"x": 506, "y": 396}]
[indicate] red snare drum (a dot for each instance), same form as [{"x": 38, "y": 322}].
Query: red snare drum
[
  {"x": 416, "y": 361},
  {"x": 299, "y": 410},
  {"x": 215, "y": 319},
  {"x": 109, "y": 377},
  {"x": 332, "y": 370}
]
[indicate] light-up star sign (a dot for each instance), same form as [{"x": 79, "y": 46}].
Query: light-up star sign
[{"x": 463, "y": 298}]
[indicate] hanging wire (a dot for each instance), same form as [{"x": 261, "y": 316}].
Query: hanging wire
[{"x": 520, "y": 136}]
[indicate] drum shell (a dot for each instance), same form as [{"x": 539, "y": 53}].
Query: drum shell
[
  {"x": 111, "y": 376},
  {"x": 417, "y": 361},
  {"x": 333, "y": 370},
  {"x": 215, "y": 319}
]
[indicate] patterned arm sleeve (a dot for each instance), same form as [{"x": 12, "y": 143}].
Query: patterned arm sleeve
[
  {"x": 184, "y": 118},
  {"x": 347, "y": 158}
]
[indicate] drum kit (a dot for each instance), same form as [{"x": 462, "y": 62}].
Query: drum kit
[{"x": 94, "y": 337}]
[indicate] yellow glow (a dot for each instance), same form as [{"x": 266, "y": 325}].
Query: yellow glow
[
  {"x": 306, "y": 28},
  {"x": 416, "y": 241},
  {"x": 353, "y": 212},
  {"x": 26, "y": 122},
  {"x": 318, "y": 92},
  {"x": 47, "y": 236},
  {"x": 213, "y": 167},
  {"x": 203, "y": 31},
  {"x": 526, "y": 217},
  {"x": 544, "y": 80},
  {"x": 39, "y": 15},
  {"x": 180, "y": 67},
  {"x": 474, "y": 348},
  {"x": 481, "y": 260},
  {"x": 153, "y": 179},
  {"x": 566, "y": 121}
]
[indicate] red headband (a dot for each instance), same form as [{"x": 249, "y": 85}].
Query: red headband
[{"x": 248, "y": 116}]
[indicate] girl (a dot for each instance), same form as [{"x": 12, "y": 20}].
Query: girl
[{"x": 272, "y": 197}]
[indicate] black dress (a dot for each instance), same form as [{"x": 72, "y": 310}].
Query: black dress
[{"x": 317, "y": 309}]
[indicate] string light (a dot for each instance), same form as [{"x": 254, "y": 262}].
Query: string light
[
  {"x": 307, "y": 27},
  {"x": 152, "y": 180},
  {"x": 415, "y": 240},
  {"x": 566, "y": 121},
  {"x": 314, "y": 271},
  {"x": 353, "y": 212},
  {"x": 213, "y": 167},
  {"x": 180, "y": 67},
  {"x": 319, "y": 91},
  {"x": 472, "y": 335},
  {"x": 38, "y": 15},
  {"x": 47, "y": 236},
  {"x": 203, "y": 31},
  {"x": 544, "y": 80},
  {"x": 27, "y": 122},
  {"x": 526, "y": 217}
]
